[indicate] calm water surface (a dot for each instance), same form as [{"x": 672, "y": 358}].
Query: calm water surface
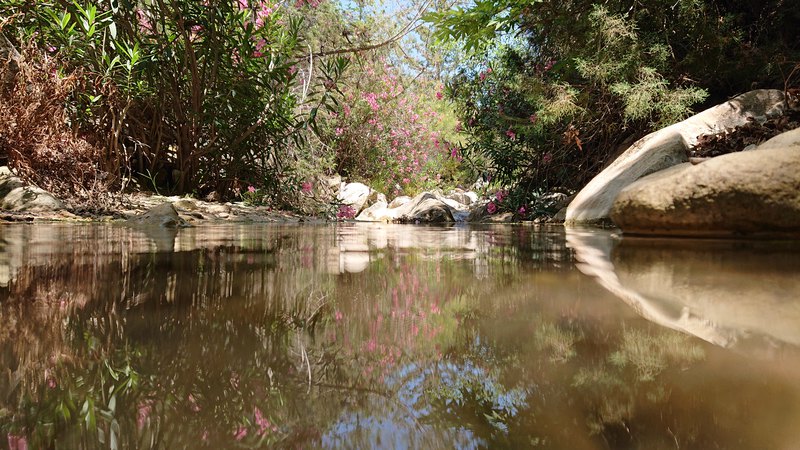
[{"x": 368, "y": 336}]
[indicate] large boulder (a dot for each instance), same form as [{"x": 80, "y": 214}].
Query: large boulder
[
  {"x": 354, "y": 195},
  {"x": 163, "y": 215},
  {"x": 377, "y": 212},
  {"x": 753, "y": 192},
  {"x": 17, "y": 196},
  {"x": 424, "y": 208},
  {"x": 666, "y": 148}
]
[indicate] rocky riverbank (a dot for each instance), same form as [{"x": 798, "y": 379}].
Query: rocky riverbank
[{"x": 22, "y": 202}]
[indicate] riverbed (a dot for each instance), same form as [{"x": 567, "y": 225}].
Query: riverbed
[{"x": 395, "y": 336}]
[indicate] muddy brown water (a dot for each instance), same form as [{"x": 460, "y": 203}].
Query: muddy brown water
[{"x": 390, "y": 336}]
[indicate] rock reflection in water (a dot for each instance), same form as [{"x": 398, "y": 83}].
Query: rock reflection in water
[{"x": 729, "y": 293}]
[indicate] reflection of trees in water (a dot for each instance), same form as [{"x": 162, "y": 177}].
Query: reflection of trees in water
[
  {"x": 220, "y": 334},
  {"x": 251, "y": 338}
]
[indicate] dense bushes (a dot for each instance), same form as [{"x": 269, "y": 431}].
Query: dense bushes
[
  {"x": 199, "y": 97},
  {"x": 555, "y": 89},
  {"x": 193, "y": 97}
]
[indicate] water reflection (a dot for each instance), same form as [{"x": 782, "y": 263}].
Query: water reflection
[
  {"x": 357, "y": 337},
  {"x": 731, "y": 293}
]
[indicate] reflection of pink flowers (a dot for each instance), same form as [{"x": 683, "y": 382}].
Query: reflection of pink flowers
[
  {"x": 143, "y": 413},
  {"x": 263, "y": 424},
  {"x": 193, "y": 403},
  {"x": 17, "y": 442},
  {"x": 491, "y": 208},
  {"x": 240, "y": 433}
]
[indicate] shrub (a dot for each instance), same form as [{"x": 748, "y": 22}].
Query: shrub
[
  {"x": 199, "y": 96},
  {"x": 553, "y": 91},
  {"x": 390, "y": 135},
  {"x": 34, "y": 136}
]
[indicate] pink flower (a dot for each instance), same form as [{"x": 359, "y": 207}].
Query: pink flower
[
  {"x": 251, "y": 189},
  {"x": 439, "y": 95},
  {"x": 144, "y": 20},
  {"x": 306, "y": 187},
  {"x": 511, "y": 135},
  {"x": 500, "y": 195},
  {"x": 521, "y": 210},
  {"x": 491, "y": 208},
  {"x": 338, "y": 315},
  {"x": 346, "y": 212},
  {"x": 482, "y": 76},
  {"x": 292, "y": 70},
  {"x": 533, "y": 118},
  {"x": 260, "y": 44},
  {"x": 547, "y": 158},
  {"x": 406, "y": 181},
  {"x": 262, "y": 15},
  {"x": 338, "y": 131}
]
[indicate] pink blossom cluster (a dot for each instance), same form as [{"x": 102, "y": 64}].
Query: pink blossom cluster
[
  {"x": 346, "y": 212},
  {"x": 390, "y": 126}
]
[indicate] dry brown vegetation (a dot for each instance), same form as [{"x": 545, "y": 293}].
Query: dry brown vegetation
[{"x": 35, "y": 136}]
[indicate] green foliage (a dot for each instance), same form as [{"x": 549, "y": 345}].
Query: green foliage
[
  {"x": 203, "y": 97},
  {"x": 554, "y": 90}
]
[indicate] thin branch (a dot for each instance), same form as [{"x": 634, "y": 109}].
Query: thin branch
[{"x": 408, "y": 28}]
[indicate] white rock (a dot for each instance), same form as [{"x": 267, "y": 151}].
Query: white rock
[
  {"x": 666, "y": 148},
  {"x": 355, "y": 195}
]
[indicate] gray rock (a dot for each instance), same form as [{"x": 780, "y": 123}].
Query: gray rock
[
  {"x": 755, "y": 192},
  {"x": 666, "y": 148},
  {"x": 425, "y": 208},
  {"x": 375, "y": 197},
  {"x": 377, "y": 212},
  {"x": 17, "y": 196},
  {"x": 399, "y": 201},
  {"x": 461, "y": 197},
  {"x": 163, "y": 215}
]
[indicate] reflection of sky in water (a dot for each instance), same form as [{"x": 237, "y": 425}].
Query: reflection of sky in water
[{"x": 407, "y": 418}]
